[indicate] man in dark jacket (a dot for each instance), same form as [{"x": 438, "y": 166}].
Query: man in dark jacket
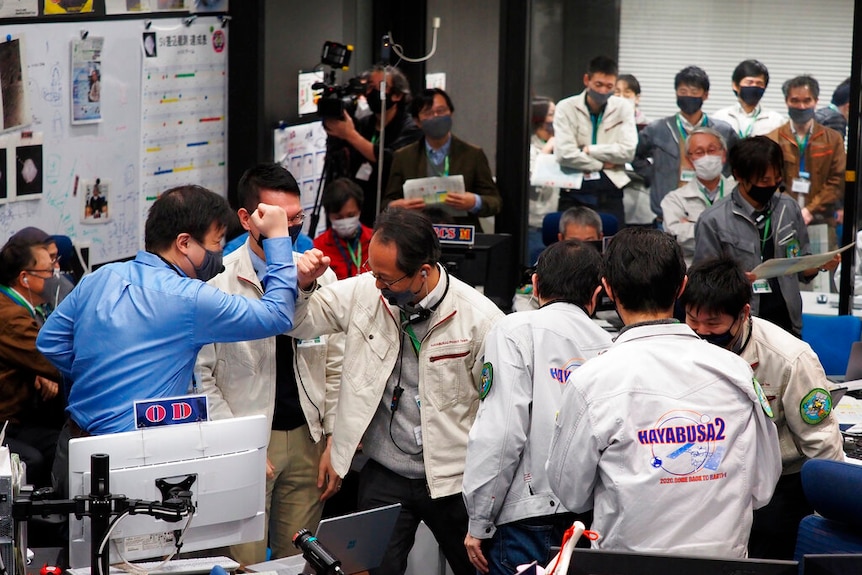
[
  {"x": 357, "y": 158},
  {"x": 440, "y": 154}
]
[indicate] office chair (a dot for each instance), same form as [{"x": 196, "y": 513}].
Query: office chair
[
  {"x": 551, "y": 226},
  {"x": 831, "y": 338},
  {"x": 832, "y": 488}
]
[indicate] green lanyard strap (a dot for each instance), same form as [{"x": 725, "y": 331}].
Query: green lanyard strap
[{"x": 416, "y": 344}]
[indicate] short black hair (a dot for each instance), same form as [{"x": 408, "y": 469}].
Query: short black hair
[
  {"x": 602, "y": 65},
  {"x": 184, "y": 209},
  {"x": 716, "y": 285},
  {"x": 691, "y": 76},
  {"x": 425, "y": 99},
  {"x": 337, "y": 192},
  {"x": 631, "y": 82},
  {"x": 645, "y": 269},
  {"x": 539, "y": 111},
  {"x": 750, "y": 158},
  {"x": 750, "y": 69},
  {"x": 15, "y": 257},
  {"x": 841, "y": 95},
  {"x": 396, "y": 82},
  {"x": 803, "y": 81},
  {"x": 413, "y": 235},
  {"x": 569, "y": 270},
  {"x": 267, "y": 176}
]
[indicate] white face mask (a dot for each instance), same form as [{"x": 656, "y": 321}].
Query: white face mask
[
  {"x": 708, "y": 167},
  {"x": 346, "y": 227}
]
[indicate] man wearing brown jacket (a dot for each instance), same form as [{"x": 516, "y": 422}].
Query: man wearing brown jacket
[
  {"x": 814, "y": 157},
  {"x": 26, "y": 376}
]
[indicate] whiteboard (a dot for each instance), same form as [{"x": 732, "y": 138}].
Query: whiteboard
[{"x": 75, "y": 156}]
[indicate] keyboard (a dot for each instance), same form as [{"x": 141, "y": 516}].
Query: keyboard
[
  {"x": 175, "y": 567},
  {"x": 853, "y": 447}
]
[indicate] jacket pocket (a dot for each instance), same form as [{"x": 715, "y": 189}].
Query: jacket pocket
[
  {"x": 447, "y": 378},
  {"x": 365, "y": 352},
  {"x": 736, "y": 243}
]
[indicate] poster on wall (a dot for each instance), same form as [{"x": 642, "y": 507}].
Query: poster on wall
[
  {"x": 28, "y": 166},
  {"x": 140, "y": 6},
  {"x": 19, "y": 8},
  {"x": 68, "y": 6},
  {"x": 95, "y": 198},
  {"x": 183, "y": 110},
  {"x": 209, "y": 6},
  {"x": 301, "y": 150},
  {"x": 14, "y": 96},
  {"x": 86, "y": 80}
]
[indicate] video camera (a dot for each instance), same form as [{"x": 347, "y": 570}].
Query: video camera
[{"x": 337, "y": 99}]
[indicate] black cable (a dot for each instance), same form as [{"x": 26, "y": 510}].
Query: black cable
[{"x": 396, "y": 394}]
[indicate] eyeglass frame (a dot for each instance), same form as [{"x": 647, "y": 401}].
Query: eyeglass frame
[
  {"x": 33, "y": 272},
  {"x": 384, "y": 282},
  {"x": 301, "y": 216}
]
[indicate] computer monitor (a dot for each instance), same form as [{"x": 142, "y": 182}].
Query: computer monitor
[
  {"x": 837, "y": 564},
  {"x": 227, "y": 458},
  {"x": 599, "y": 562},
  {"x": 489, "y": 265}
]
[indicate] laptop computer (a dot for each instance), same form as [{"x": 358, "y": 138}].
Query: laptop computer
[{"x": 358, "y": 540}]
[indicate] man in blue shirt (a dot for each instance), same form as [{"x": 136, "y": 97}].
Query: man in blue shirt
[{"x": 131, "y": 330}]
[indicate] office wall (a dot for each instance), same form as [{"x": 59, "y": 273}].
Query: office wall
[{"x": 467, "y": 51}]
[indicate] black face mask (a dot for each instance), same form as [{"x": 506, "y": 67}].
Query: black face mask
[
  {"x": 723, "y": 339},
  {"x": 762, "y": 194},
  {"x": 294, "y": 232},
  {"x": 751, "y": 95},
  {"x": 689, "y": 104},
  {"x": 374, "y": 103}
]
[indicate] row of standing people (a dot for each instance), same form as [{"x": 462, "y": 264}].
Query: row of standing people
[{"x": 624, "y": 157}]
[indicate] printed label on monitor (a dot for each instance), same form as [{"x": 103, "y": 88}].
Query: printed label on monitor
[{"x": 171, "y": 411}]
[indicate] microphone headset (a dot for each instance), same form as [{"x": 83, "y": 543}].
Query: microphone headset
[{"x": 418, "y": 314}]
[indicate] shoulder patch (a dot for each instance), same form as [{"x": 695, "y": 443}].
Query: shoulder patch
[
  {"x": 761, "y": 397},
  {"x": 487, "y": 379},
  {"x": 815, "y": 406}
]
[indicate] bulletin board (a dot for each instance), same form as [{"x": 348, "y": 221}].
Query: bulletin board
[{"x": 149, "y": 132}]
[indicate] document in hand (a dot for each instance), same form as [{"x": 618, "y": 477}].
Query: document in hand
[
  {"x": 548, "y": 172},
  {"x": 433, "y": 190},
  {"x": 785, "y": 266}
]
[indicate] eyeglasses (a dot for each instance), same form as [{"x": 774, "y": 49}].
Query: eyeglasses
[
  {"x": 389, "y": 285},
  {"x": 697, "y": 154},
  {"x": 297, "y": 219},
  {"x": 56, "y": 259},
  {"x": 50, "y": 273},
  {"x": 441, "y": 111}
]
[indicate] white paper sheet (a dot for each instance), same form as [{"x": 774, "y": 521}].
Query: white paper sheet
[{"x": 785, "y": 266}]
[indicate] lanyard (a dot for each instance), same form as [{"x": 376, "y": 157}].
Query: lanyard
[
  {"x": 375, "y": 138},
  {"x": 802, "y": 145},
  {"x": 434, "y": 164},
  {"x": 705, "y": 195},
  {"x": 411, "y": 334},
  {"x": 597, "y": 120},
  {"x": 681, "y": 128},
  {"x": 743, "y": 135},
  {"x": 355, "y": 256},
  {"x": 14, "y": 296},
  {"x": 765, "y": 235}
]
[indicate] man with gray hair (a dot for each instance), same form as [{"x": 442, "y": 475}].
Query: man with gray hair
[
  {"x": 580, "y": 223},
  {"x": 706, "y": 150}
]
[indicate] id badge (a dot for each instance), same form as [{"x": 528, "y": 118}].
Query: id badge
[
  {"x": 761, "y": 286},
  {"x": 801, "y": 185},
  {"x": 417, "y": 435},
  {"x": 592, "y": 176},
  {"x": 687, "y": 175},
  {"x": 364, "y": 172}
]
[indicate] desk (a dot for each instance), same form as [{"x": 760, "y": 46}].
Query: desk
[{"x": 810, "y": 303}]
